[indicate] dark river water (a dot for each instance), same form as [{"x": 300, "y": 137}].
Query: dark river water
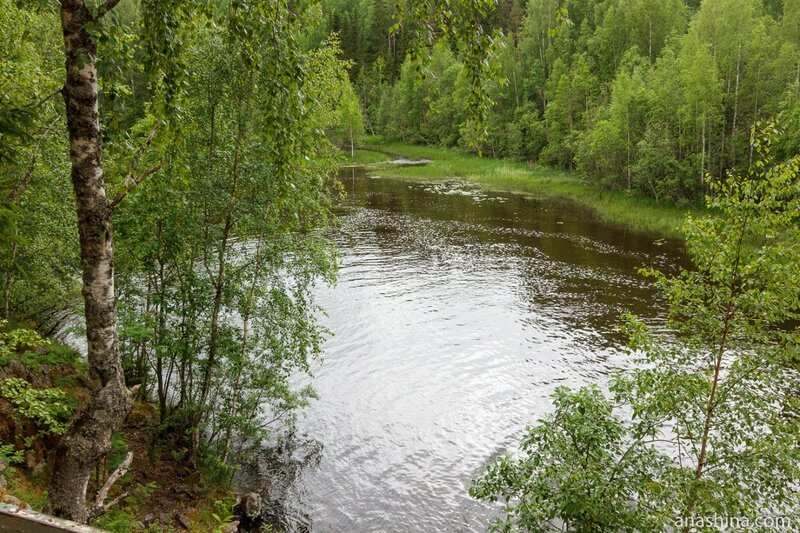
[{"x": 456, "y": 314}]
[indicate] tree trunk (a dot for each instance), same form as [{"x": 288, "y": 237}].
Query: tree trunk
[
  {"x": 219, "y": 284},
  {"x": 9, "y": 281},
  {"x": 88, "y": 438},
  {"x": 735, "y": 107},
  {"x": 703, "y": 157}
]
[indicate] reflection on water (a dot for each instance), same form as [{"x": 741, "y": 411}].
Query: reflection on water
[{"x": 457, "y": 313}]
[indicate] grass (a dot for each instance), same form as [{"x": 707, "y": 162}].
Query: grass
[
  {"x": 517, "y": 177},
  {"x": 31, "y": 493},
  {"x": 364, "y": 157}
]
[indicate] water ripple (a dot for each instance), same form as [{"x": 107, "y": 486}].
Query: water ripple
[{"x": 456, "y": 315}]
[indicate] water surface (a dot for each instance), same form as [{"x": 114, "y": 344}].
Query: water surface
[{"x": 456, "y": 314}]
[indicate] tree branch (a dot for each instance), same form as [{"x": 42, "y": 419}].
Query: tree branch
[
  {"x": 23, "y": 184},
  {"x": 100, "y": 505},
  {"x": 132, "y": 184},
  {"x": 147, "y": 142},
  {"x": 107, "y": 6},
  {"x": 43, "y": 99}
]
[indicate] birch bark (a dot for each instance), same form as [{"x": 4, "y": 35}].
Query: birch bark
[{"x": 88, "y": 438}]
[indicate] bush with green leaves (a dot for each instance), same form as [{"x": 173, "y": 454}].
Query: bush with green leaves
[
  {"x": 19, "y": 339},
  {"x": 47, "y": 408},
  {"x": 10, "y": 455},
  {"x": 707, "y": 420},
  {"x": 578, "y": 471}
]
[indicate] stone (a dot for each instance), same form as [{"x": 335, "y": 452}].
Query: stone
[
  {"x": 164, "y": 518},
  {"x": 183, "y": 521},
  {"x": 40, "y": 469},
  {"x": 3, "y": 468},
  {"x": 251, "y": 504},
  {"x": 231, "y": 527},
  {"x": 194, "y": 478}
]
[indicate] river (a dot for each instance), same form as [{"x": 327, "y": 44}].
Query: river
[{"x": 456, "y": 314}]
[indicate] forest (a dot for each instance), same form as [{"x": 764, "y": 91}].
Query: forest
[
  {"x": 646, "y": 96},
  {"x": 179, "y": 198}
]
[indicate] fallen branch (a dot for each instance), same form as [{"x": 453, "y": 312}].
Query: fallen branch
[{"x": 100, "y": 505}]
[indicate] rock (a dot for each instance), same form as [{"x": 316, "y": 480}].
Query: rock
[
  {"x": 230, "y": 527},
  {"x": 194, "y": 478},
  {"x": 40, "y": 469},
  {"x": 164, "y": 518},
  {"x": 148, "y": 519},
  {"x": 3, "y": 481},
  {"x": 11, "y": 500},
  {"x": 183, "y": 521},
  {"x": 197, "y": 489},
  {"x": 30, "y": 459},
  {"x": 250, "y": 505}
]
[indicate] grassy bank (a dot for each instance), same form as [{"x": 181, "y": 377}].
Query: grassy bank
[{"x": 501, "y": 175}]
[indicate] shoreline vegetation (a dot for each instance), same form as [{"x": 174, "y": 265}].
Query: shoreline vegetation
[
  {"x": 43, "y": 383},
  {"x": 642, "y": 214}
]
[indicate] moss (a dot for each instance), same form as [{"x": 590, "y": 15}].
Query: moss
[
  {"x": 29, "y": 490},
  {"x": 142, "y": 414}
]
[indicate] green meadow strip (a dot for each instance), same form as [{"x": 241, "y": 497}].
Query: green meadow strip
[{"x": 509, "y": 176}]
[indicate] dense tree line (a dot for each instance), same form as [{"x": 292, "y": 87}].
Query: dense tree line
[{"x": 646, "y": 96}]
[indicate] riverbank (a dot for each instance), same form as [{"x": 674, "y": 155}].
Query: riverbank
[
  {"x": 42, "y": 384},
  {"x": 634, "y": 212}
]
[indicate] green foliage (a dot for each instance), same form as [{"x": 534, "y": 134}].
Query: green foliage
[
  {"x": 33, "y": 351},
  {"x": 117, "y": 520},
  {"x": 10, "y": 455},
  {"x": 708, "y": 424},
  {"x": 27, "y": 491},
  {"x": 338, "y": 111},
  {"x": 222, "y": 515},
  {"x": 218, "y": 256},
  {"x": 122, "y": 518},
  {"x": 36, "y": 214},
  {"x": 19, "y": 340},
  {"x": 644, "y": 96},
  {"x": 462, "y": 25},
  {"x": 578, "y": 467},
  {"x": 118, "y": 451},
  {"x": 47, "y": 408}
]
